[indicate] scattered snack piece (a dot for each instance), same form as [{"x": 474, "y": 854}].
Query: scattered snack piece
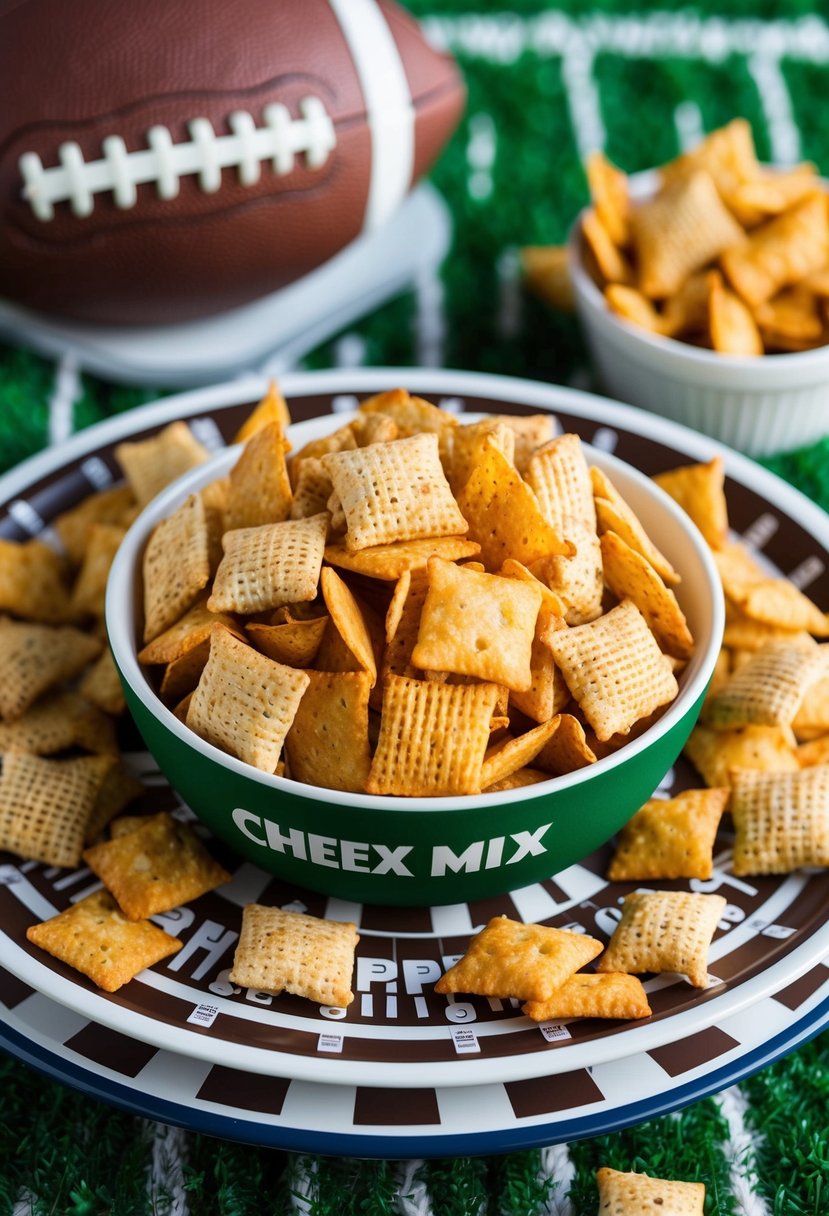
[
  {"x": 151, "y": 464},
  {"x": 767, "y": 689},
  {"x": 292, "y": 952},
  {"x": 766, "y": 597},
  {"x": 35, "y": 658},
  {"x": 699, "y": 490},
  {"x": 245, "y": 702},
  {"x": 58, "y": 722},
  {"x": 585, "y": 995},
  {"x": 155, "y": 868},
  {"x": 670, "y": 838},
  {"x": 118, "y": 789},
  {"x": 33, "y": 582},
  {"x": 664, "y": 931},
  {"x": 781, "y": 820},
  {"x": 101, "y": 685},
  {"x": 95, "y": 938},
  {"x": 510, "y": 959},
  {"x": 46, "y": 805},
  {"x": 115, "y": 505},
  {"x": 546, "y": 271},
  {"x": 89, "y": 588},
  {"x": 623, "y": 1194}
]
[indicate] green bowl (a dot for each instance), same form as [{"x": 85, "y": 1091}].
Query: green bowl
[{"x": 418, "y": 851}]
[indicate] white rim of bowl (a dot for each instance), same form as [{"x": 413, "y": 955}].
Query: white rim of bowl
[{"x": 121, "y": 630}]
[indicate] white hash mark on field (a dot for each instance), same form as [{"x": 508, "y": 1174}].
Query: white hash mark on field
[
  {"x": 739, "y": 1150},
  {"x": 784, "y": 137},
  {"x": 689, "y": 125}
]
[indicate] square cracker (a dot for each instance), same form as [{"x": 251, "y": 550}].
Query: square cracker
[
  {"x": 670, "y": 838},
  {"x": 35, "y": 658},
  {"x": 560, "y": 477},
  {"x": 627, "y": 1194},
  {"x": 32, "y": 581},
  {"x": 433, "y": 738},
  {"x": 781, "y": 820},
  {"x": 585, "y": 995},
  {"x": 46, "y": 805},
  {"x": 176, "y": 566},
  {"x": 270, "y": 565},
  {"x": 664, "y": 931},
  {"x": 480, "y": 625},
  {"x": 115, "y": 505},
  {"x": 614, "y": 669},
  {"x": 394, "y": 491},
  {"x": 94, "y": 937},
  {"x": 89, "y": 588},
  {"x": 768, "y": 689},
  {"x": 151, "y": 464},
  {"x": 245, "y": 702},
  {"x": 159, "y": 866},
  {"x": 511, "y": 959},
  {"x": 308, "y": 956}
]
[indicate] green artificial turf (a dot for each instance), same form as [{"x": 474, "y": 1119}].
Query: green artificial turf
[{"x": 511, "y": 175}]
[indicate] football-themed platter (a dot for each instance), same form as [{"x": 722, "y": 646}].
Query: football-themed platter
[{"x": 183, "y": 1043}]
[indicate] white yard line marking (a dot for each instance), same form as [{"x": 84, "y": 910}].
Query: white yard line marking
[
  {"x": 556, "y": 1164},
  {"x": 784, "y": 137},
  {"x": 166, "y": 1176},
  {"x": 429, "y": 318},
  {"x": 689, "y": 125},
  {"x": 739, "y": 1152},
  {"x": 66, "y": 392},
  {"x": 583, "y": 98},
  {"x": 412, "y": 1197}
]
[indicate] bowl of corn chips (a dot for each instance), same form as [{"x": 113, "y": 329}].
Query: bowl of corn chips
[
  {"x": 407, "y": 658},
  {"x": 703, "y": 291}
]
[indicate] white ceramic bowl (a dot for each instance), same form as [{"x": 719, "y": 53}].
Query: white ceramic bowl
[{"x": 760, "y": 405}]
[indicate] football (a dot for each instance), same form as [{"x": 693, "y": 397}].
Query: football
[{"x": 160, "y": 162}]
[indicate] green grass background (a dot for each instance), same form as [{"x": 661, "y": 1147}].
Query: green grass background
[{"x": 72, "y": 1155}]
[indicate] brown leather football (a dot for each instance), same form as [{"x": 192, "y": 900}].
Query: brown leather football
[{"x": 160, "y": 161}]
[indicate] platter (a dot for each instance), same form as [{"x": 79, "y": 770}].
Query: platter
[
  {"x": 398, "y": 1033},
  {"x": 346, "y": 1120}
]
